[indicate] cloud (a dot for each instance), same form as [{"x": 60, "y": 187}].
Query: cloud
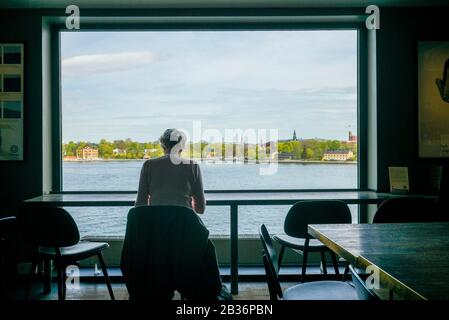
[
  {"x": 303, "y": 80},
  {"x": 104, "y": 63}
]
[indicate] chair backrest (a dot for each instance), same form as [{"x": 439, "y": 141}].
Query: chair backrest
[
  {"x": 272, "y": 280},
  {"x": 270, "y": 260},
  {"x": 303, "y": 213},
  {"x": 167, "y": 248},
  {"x": 442, "y": 209},
  {"x": 50, "y": 227},
  {"x": 360, "y": 286},
  {"x": 406, "y": 210},
  {"x": 6, "y": 225}
]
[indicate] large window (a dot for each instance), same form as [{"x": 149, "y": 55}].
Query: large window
[{"x": 121, "y": 90}]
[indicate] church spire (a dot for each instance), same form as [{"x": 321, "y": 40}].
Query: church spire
[{"x": 294, "y": 135}]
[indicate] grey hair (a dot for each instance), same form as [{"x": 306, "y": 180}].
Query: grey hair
[{"x": 171, "y": 138}]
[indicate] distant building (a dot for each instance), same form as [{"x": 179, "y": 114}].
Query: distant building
[
  {"x": 210, "y": 153},
  {"x": 285, "y": 156},
  {"x": 87, "y": 153},
  {"x": 352, "y": 138},
  {"x": 338, "y": 155},
  {"x": 294, "y": 136},
  {"x": 146, "y": 153},
  {"x": 70, "y": 158},
  {"x": 117, "y": 151}
]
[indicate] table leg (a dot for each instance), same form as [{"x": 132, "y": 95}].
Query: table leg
[
  {"x": 47, "y": 275},
  {"x": 234, "y": 250}
]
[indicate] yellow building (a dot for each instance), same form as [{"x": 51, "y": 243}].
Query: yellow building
[
  {"x": 338, "y": 155},
  {"x": 87, "y": 153}
]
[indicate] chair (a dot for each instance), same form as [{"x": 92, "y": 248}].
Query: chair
[
  {"x": 410, "y": 209},
  {"x": 360, "y": 286},
  {"x": 56, "y": 235},
  {"x": 316, "y": 290},
  {"x": 167, "y": 248},
  {"x": 7, "y": 224},
  {"x": 442, "y": 207},
  {"x": 296, "y": 223}
]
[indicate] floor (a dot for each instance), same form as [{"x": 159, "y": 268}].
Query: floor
[
  {"x": 98, "y": 291},
  {"x": 94, "y": 290}
]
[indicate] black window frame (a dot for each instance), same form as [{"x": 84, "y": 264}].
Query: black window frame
[{"x": 218, "y": 20}]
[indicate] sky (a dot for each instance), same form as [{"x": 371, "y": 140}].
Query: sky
[{"x": 119, "y": 85}]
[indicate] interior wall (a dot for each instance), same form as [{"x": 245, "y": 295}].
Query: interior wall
[
  {"x": 397, "y": 125},
  {"x": 22, "y": 180}
]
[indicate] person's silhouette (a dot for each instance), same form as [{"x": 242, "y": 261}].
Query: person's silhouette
[{"x": 443, "y": 84}]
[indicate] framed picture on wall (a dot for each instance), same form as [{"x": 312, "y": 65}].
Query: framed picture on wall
[
  {"x": 433, "y": 99},
  {"x": 11, "y": 101}
]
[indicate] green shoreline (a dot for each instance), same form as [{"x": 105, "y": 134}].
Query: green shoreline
[{"x": 227, "y": 162}]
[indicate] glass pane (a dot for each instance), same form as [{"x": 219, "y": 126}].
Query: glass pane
[
  {"x": 301, "y": 83},
  {"x": 251, "y": 217},
  {"x": 100, "y": 221}
]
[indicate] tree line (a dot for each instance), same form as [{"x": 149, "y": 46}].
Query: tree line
[
  {"x": 308, "y": 149},
  {"x": 314, "y": 149}
]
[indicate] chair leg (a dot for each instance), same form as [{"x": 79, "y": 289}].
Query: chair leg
[
  {"x": 64, "y": 279},
  {"x": 47, "y": 275},
  {"x": 335, "y": 262},
  {"x": 323, "y": 262},
  {"x": 304, "y": 264},
  {"x": 281, "y": 255},
  {"x": 345, "y": 272},
  {"x": 106, "y": 276},
  {"x": 31, "y": 278}
]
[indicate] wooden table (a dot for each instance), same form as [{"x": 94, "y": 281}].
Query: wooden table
[
  {"x": 233, "y": 199},
  {"x": 412, "y": 258}
]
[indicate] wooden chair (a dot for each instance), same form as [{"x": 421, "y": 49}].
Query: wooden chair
[
  {"x": 56, "y": 235},
  {"x": 296, "y": 223},
  {"x": 316, "y": 290}
]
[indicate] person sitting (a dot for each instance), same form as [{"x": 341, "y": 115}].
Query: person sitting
[
  {"x": 171, "y": 179},
  {"x": 167, "y": 246}
]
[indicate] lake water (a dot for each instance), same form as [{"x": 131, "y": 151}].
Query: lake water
[{"x": 124, "y": 176}]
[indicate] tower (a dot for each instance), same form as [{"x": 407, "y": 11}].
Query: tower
[
  {"x": 294, "y": 136},
  {"x": 351, "y": 137}
]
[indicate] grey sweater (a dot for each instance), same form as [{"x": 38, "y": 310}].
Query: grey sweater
[{"x": 163, "y": 182}]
